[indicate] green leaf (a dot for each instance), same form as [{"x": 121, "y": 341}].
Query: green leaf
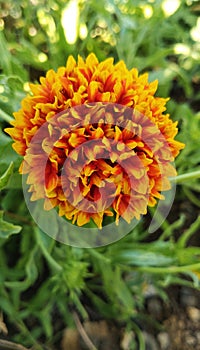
[
  {"x": 5, "y": 55},
  {"x": 6, "y": 176},
  {"x": 15, "y": 181},
  {"x": 141, "y": 257},
  {"x": 31, "y": 273},
  {"x": 183, "y": 240},
  {"x": 7, "y": 153},
  {"x": 46, "y": 320},
  {"x": 45, "y": 243},
  {"x": 6, "y": 228}
]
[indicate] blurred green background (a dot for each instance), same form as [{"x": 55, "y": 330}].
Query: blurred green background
[{"x": 42, "y": 281}]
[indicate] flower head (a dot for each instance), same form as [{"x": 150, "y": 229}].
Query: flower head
[{"x": 95, "y": 141}]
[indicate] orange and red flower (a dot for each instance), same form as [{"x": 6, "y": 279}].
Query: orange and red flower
[{"x": 95, "y": 141}]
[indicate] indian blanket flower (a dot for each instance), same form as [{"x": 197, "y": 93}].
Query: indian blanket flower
[{"x": 96, "y": 141}]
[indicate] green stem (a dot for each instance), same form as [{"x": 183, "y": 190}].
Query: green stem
[
  {"x": 5, "y": 116},
  {"x": 47, "y": 254},
  {"x": 169, "y": 269},
  {"x": 139, "y": 336},
  {"x": 186, "y": 177}
]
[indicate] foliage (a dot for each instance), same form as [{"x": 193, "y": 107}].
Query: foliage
[{"x": 42, "y": 280}]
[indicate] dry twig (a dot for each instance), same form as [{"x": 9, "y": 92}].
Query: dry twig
[
  {"x": 83, "y": 333},
  {"x": 7, "y": 345}
]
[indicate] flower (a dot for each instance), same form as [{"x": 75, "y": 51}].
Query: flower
[{"x": 95, "y": 141}]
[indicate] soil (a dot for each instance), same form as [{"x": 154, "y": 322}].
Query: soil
[
  {"x": 174, "y": 325},
  {"x": 171, "y": 325},
  {"x": 177, "y": 327}
]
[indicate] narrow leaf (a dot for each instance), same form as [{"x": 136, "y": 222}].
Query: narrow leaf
[
  {"x": 6, "y": 228},
  {"x": 6, "y": 176}
]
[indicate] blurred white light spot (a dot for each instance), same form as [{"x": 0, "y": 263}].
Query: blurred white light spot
[
  {"x": 42, "y": 57},
  {"x": 148, "y": 11},
  {"x": 32, "y": 31},
  {"x": 26, "y": 87},
  {"x": 83, "y": 31},
  {"x": 109, "y": 7},
  {"x": 2, "y": 89},
  {"x": 195, "y": 32},
  {"x": 102, "y": 23},
  {"x": 170, "y": 6},
  {"x": 69, "y": 20},
  {"x": 1, "y": 24},
  {"x": 34, "y": 2},
  {"x": 47, "y": 23},
  {"x": 182, "y": 49}
]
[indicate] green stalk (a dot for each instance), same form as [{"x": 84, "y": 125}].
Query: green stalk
[
  {"x": 169, "y": 269},
  {"x": 5, "y": 116},
  {"x": 139, "y": 336},
  {"x": 186, "y": 177},
  {"x": 47, "y": 254}
]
